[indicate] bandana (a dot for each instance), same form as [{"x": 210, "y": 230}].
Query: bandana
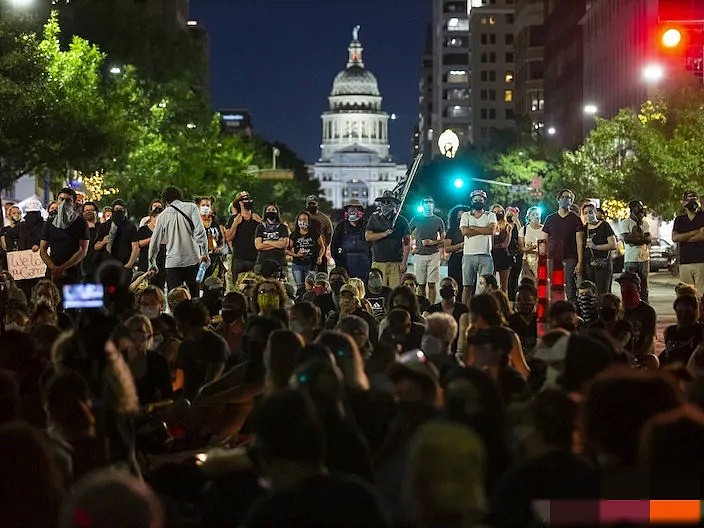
[{"x": 66, "y": 215}]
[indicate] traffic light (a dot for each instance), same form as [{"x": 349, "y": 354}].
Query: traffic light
[
  {"x": 458, "y": 183},
  {"x": 671, "y": 38},
  {"x": 683, "y": 39}
]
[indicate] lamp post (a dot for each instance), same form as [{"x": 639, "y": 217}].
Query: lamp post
[
  {"x": 448, "y": 142},
  {"x": 274, "y": 154},
  {"x": 653, "y": 73},
  {"x": 590, "y": 109}
]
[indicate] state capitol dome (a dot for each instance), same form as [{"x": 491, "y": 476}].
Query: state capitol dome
[{"x": 355, "y": 80}]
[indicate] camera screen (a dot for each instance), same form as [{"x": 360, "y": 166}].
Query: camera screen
[{"x": 83, "y": 296}]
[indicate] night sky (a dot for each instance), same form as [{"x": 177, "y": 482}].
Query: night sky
[{"x": 278, "y": 58}]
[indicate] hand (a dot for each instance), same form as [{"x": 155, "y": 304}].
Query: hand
[
  {"x": 238, "y": 220},
  {"x": 578, "y": 269},
  {"x": 319, "y": 261},
  {"x": 388, "y": 232},
  {"x": 35, "y": 248},
  {"x": 154, "y": 270},
  {"x": 590, "y": 244},
  {"x": 217, "y": 250},
  {"x": 428, "y": 242},
  {"x": 205, "y": 259},
  {"x": 106, "y": 239},
  {"x": 58, "y": 272}
]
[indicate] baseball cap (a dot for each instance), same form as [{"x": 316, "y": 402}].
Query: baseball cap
[
  {"x": 33, "y": 205},
  {"x": 388, "y": 196},
  {"x": 321, "y": 277},
  {"x": 312, "y": 199},
  {"x": 348, "y": 288},
  {"x": 119, "y": 202},
  {"x": 628, "y": 276},
  {"x": 242, "y": 195}
]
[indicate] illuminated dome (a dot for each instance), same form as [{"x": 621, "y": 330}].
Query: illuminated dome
[{"x": 355, "y": 80}]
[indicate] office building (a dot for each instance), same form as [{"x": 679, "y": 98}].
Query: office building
[{"x": 529, "y": 37}]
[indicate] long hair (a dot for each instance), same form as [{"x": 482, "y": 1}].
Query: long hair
[
  {"x": 348, "y": 358},
  {"x": 296, "y": 229},
  {"x": 453, "y": 223}
]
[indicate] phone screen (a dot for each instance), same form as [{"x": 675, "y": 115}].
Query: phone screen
[{"x": 83, "y": 296}]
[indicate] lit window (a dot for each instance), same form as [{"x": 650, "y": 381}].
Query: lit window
[
  {"x": 508, "y": 77},
  {"x": 492, "y": 20},
  {"x": 508, "y": 96},
  {"x": 453, "y": 22}
]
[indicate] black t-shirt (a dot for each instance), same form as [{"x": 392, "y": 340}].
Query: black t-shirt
[
  {"x": 306, "y": 245},
  {"x": 11, "y": 235},
  {"x": 155, "y": 385},
  {"x": 527, "y": 332},
  {"x": 125, "y": 235},
  {"x": 389, "y": 249},
  {"x": 143, "y": 233},
  {"x": 196, "y": 356},
  {"x": 332, "y": 500},
  {"x": 681, "y": 342},
  {"x": 600, "y": 236},
  {"x": 271, "y": 233},
  {"x": 690, "y": 252},
  {"x": 562, "y": 234},
  {"x": 643, "y": 319},
  {"x": 243, "y": 244},
  {"x": 379, "y": 301},
  {"x": 64, "y": 243}
]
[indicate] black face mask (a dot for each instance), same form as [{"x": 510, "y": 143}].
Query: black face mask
[
  {"x": 447, "y": 292},
  {"x": 477, "y": 206},
  {"x": 312, "y": 209},
  {"x": 272, "y": 216},
  {"x": 509, "y": 218},
  {"x": 608, "y": 314},
  {"x": 247, "y": 205},
  {"x": 118, "y": 217},
  {"x": 336, "y": 285},
  {"x": 692, "y": 206},
  {"x": 499, "y": 216},
  {"x": 53, "y": 213}
]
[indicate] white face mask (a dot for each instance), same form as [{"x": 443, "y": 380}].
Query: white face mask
[
  {"x": 204, "y": 210},
  {"x": 150, "y": 312}
]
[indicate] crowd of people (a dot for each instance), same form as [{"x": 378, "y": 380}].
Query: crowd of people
[{"x": 235, "y": 377}]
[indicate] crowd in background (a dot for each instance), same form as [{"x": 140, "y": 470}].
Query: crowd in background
[{"x": 235, "y": 376}]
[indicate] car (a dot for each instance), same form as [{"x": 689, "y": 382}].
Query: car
[{"x": 662, "y": 255}]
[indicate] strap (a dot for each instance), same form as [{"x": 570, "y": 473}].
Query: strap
[{"x": 188, "y": 218}]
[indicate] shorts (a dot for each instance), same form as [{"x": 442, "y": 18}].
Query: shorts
[
  {"x": 474, "y": 266},
  {"x": 427, "y": 268}
]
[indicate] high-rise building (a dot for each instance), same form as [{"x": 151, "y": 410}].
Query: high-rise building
[
  {"x": 355, "y": 162},
  {"x": 529, "y": 41},
  {"x": 492, "y": 66},
  {"x": 450, "y": 106},
  {"x": 421, "y": 134},
  {"x": 563, "y": 77}
]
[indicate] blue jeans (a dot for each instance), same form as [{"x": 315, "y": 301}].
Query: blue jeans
[
  {"x": 299, "y": 273},
  {"x": 474, "y": 266}
]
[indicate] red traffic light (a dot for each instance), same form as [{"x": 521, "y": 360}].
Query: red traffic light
[{"x": 671, "y": 38}]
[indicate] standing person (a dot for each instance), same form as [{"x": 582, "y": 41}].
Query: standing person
[
  {"x": 514, "y": 250},
  {"x": 454, "y": 244},
  {"x": 478, "y": 229},
  {"x": 29, "y": 236},
  {"x": 565, "y": 232},
  {"x": 321, "y": 223},
  {"x": 271, "y": 237},
  {"x": 122, "y": 245},
  {"x": 600, "y": 241},
  {"x": 635, "y": 232},
  {"x": 90, "y": 263},
  {"x": 349, "y": 247},
  {"x": 239, "y": 232},
  {"x": 390, "y": 243},
  {"x": 215, "y": 234},
  {"x": 10, "y": 232},
  {"x": 528, "y": 239},
  {"x": 499, "y": 249},
  {"x": 66, "y": 236},
  {"x": 430, "y": 236},
  {"x": 688, "y": 232},
  {"x": 180, "y": 228},
  {"x": 154, "y": 204},
  {"x": 144, "y": 237},
  {"x": 107, "y": 213},
  {"x": 306, "y": 246}
]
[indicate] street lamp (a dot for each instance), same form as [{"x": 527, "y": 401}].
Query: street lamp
[
  {"x": 590, "y": 109},
  {"x": 191, "y": 126},
  {"x": 116, "y": 70},
  {"x": 653, "y": 73},
  {"x": 552, "y": 131},
  {"x": 448, "y": 142},
  {"x": 274, "y": 154}
]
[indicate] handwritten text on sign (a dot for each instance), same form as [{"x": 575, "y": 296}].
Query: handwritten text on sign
[{"x": 25, "y": 264}]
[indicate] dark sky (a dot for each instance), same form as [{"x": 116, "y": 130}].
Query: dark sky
[{"x": 278, "y": 59}]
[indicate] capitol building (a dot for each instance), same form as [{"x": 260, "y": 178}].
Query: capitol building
[{"x": 354, "y": 153}]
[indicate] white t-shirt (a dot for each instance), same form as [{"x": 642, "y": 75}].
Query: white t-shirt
[
  {"x": 530, "y": 238},
  {"x": 635, "y": 253},
  {"x": 479, "y": 244}
]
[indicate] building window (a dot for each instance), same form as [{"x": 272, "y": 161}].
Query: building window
[
  {"x": 458, "y": 24},
  {"x": 509, "y": 18},
  {"x": 483, "y": 38},
  {"x": 492, "y": 113},
  {"x": 509, "y": 39},
  {"x": 492, "y": 20},
  {"x": 509, "y": 113},
  {"x": 492, "y": 76},
  {"x": 457, "y": 76},
  {"x": 483, "y": 113},
  {"x": 509, "y": 56},
  {"x": 508, "y": 96},
  {"x": 483, "y": 75},
  {"x": 492, "y": 38},
  {"x": 455, "y": 42},
  {"x": 492, "y": 95},
  {"x": 508, "y": 77},
  {"x": 457, "y": 111}
]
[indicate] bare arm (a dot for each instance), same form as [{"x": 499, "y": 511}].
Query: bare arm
[
  {"x": 371, "y": 236},
  {"x": 684, "y": 237},
  {"x": 78, "y": 256},
  {"x": 155, "y": 243},
  {"x": 322, "y": 248},
  {"x": 44, "y": 254},
  {"x": 232, "y": 231},
  {"x": 518, "y": 360},
  {"x": 133, "y": 255},
  {"x": 450, "y": 247},
  {"x": 580, "y": 247},
  {"x": 406, "y": 244}
]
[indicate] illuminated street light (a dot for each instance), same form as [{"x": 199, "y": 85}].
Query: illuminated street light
[
  {"x": 191, "y": 126},
  {"x": 448, "y": 142},
  {"x": 192, "y": 23},
  {"x": 552, "y": 131},
  {"x": 653, "y": 73},
  {"x": 590, "y": 109},
  {"x": 116, "y": 70},
  {"x": 671, "y": 38},
  {"x": 459, "y": 183},
  {"x": 393, "y": 117}
]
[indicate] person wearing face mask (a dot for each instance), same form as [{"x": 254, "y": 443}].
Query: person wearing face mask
[
  {"x": 439, "y": 341},
  {"x": 179, "y": 227},
  {"x": 610, "y": 312},
  {"x": 320, "y": 223},
  {"x": 240, "y": 233},
  {"x": 688, "y": 232},
  {"x": 377, "y": 294},
  {"x": 66, "y": 237},
  {"x": 524, "y": 320},
  {"x": 329, "y": 300},
  {"x": 29, "y": 237},
  {"x": 119, "y": 236},
  {"x": 454, "y": 244},
  {"x": 682, "y": 338},
  {"x": 234, "y": 315},
  {"x": 565, "y": 233},
  {"x": 270, "y": 297},
  {"x": 528, "y": 239},
  {"x": 271, "y": 237},
  {"x": 149, "y": 369},
  {"x": 153, "y": 205},
  {"x": 499, "y": 247},
  {"x": 514, "y": 251},
  {"x": 600, "y": 241},
  {"x": 635, "y": 232},
  {"x": 349, "y": 246},
  {"x": 478, "y": 228},
  {"x": 641, "y": 315},
  {"x": 150, "y": 302},
  {"x": 307, "y": 248},
  {"x": 429, "y": 232},
  {"x": 144, "y": 237},
  {"x": 350, "y": 304},
  {"x": 215, "y": 234},
  {"x": 449, "y": 304},
  {"x": 588, "y": 302},
  {"x": 10, "y": 233},
  {"x": 90, "y": 264},
  {"x": 390, "y": 242}
]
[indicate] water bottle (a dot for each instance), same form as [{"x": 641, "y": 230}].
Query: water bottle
[{"x": 201, "y": 272}]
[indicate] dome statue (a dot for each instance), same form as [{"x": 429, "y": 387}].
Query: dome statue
[{"x": 355, "y": 80}]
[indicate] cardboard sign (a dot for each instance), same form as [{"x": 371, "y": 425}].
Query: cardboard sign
[{"x": 25, "y": 264}]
